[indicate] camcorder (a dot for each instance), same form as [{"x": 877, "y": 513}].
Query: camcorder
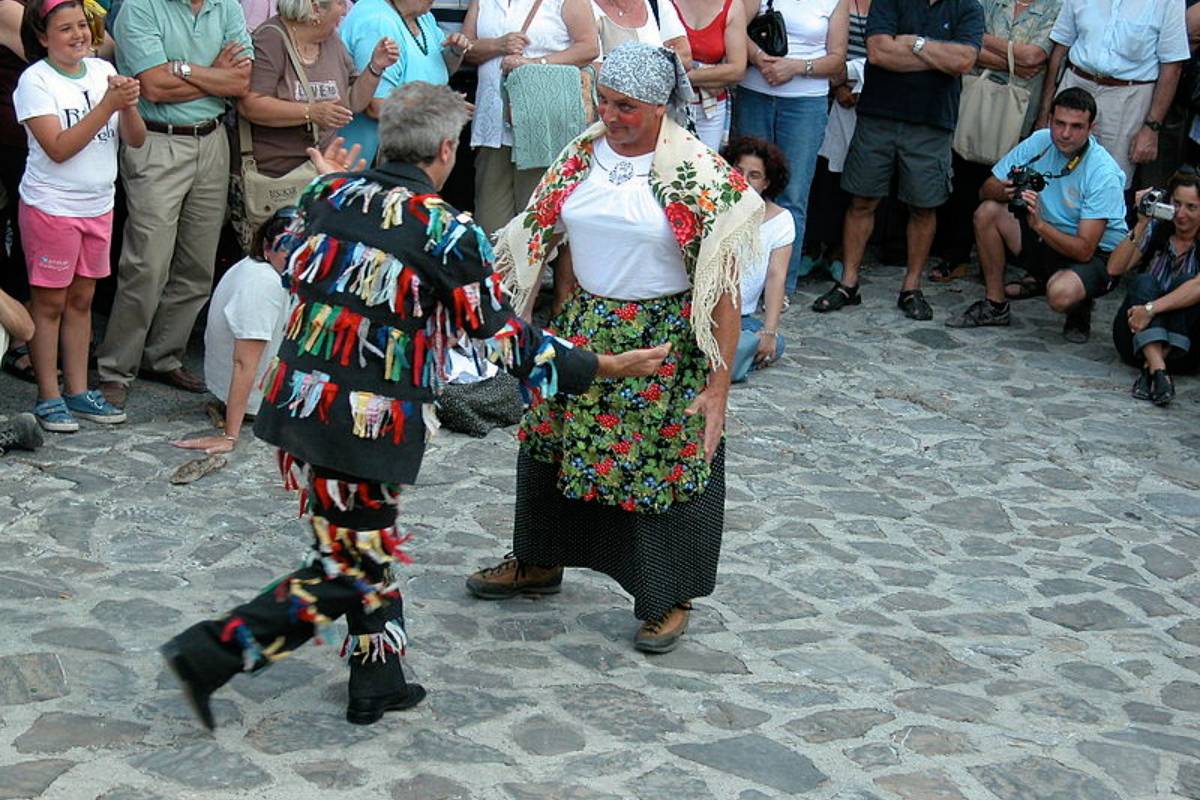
[
  {"x": 1023, "y": 178},
  {"x": 1156, "y": 205}
]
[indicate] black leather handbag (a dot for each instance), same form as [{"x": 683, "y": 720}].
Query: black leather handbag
[{"x": 768, "y": 31}]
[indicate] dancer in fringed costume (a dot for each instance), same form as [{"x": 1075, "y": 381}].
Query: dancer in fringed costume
[
  {"x": 384, "y": 279},
  {"x": 627, "y": 478}
]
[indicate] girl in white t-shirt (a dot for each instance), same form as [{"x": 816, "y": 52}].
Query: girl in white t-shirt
[
  {"x": 766, "y": 170},
  {"x": 75, "y": 110}
]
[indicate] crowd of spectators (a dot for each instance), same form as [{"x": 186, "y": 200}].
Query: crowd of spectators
[{"x": 119, "y": 135}]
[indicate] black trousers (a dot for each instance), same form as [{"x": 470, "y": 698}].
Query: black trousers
[{"x": 349, "y": 573}]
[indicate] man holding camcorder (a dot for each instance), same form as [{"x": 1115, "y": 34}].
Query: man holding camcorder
[{"x": 1056, "y": 202}]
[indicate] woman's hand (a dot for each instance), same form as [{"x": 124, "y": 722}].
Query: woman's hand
[
  {"x": 1138, "y": 318},
  {"x": 765, "y": 354},
  {"x": 386, "y": 53},
  {"x": 512, "y": 44},
  {"x": 458, "y": 44},
  {"x": 330, "y": 115},
  {"x": 509, "y": 63},
  {"x": 337, "y": 158},
  {"x": 209, "y": 444},
  {"x": 711, "y": 404},
  {"x": 633, "y": 363},
  {"x": 776, "y": 70}
]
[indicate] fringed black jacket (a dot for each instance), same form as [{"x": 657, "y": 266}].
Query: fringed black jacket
[{"x": 385, "y": 278}]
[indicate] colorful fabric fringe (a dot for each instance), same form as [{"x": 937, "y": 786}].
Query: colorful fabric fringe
[
  {"x": 375, "y": 647},
  {"x": 237, "y": 632},
  {"x": 342, "y": 553}
]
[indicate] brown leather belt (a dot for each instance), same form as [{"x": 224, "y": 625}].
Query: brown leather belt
[
  {"x": 1101, "y": 80},
  {"x": 199, "y": 129}
]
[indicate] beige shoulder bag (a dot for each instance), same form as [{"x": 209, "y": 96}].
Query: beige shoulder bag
[
  {"x": 262, "y": 196},
  {"x": 990, "y": 115}
]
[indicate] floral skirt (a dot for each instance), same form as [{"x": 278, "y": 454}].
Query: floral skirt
[{"x": 626, "y": 442}]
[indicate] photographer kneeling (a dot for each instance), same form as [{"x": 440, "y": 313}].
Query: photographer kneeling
[
  {"x": 1161, "y": 312},
  {"x": 1056, "y": 202}
]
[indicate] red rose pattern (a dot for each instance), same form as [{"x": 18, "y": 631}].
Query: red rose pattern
[{"x": 683, "y": 223}]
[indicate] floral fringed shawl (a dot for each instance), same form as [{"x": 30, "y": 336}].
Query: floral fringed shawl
[{"x": 713, "y": 213}]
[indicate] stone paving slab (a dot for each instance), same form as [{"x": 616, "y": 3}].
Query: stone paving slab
[{"x": 958, "y": 564}]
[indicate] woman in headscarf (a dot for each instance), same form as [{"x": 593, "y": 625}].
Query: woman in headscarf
[{"x": 628, "y": 478}]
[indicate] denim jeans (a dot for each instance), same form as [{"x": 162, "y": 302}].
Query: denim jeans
[
  {"x": 797, "y": 127},
  {"x": 747, "y": 346}
]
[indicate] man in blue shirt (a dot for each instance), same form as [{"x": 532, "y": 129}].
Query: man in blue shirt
[
  {"x": 1128, "y": 54},
  {"x": 1066, "y": 231}
]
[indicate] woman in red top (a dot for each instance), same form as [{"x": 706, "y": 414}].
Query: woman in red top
[{"x": 716, "y": 31}]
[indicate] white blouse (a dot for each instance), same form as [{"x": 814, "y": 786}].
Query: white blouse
[
  {"x": 547, "y": 34},
  {"x": 667, "y": 28},
  {"x": 807, "y": 27},
  {"x": 778, "y": 231},
  {"x": 622, "y": 246}
]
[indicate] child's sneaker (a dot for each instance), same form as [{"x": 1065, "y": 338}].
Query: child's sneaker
[
  {"x": 54, "y": 416},
  {"x": 92, "y": 406}
]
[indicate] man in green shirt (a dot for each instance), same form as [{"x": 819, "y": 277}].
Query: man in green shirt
[{"x": 190, "y": 57}]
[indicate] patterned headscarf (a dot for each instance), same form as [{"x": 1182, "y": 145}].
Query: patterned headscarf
[{"x": 651, "y": 74}]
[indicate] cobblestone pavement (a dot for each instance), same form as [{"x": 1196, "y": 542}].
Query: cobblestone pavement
[{"x": 958, "y": 565}]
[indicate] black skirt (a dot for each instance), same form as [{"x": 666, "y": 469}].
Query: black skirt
[{"x": 661, "y": 559}]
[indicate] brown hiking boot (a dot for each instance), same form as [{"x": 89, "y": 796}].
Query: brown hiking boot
[
  {"x": 115, "y": 393},
  {"x": 510, "y": 578},
  {"x": 663, "y": 635}
]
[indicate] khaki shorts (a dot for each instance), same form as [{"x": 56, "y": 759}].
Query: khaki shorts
[{"x": 920, "y": 152}]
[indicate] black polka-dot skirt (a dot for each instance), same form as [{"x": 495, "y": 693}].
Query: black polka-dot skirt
[{"x": 661, "y": 559}]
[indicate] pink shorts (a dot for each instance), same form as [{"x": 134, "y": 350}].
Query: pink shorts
[{"x": 57, "y": 249}]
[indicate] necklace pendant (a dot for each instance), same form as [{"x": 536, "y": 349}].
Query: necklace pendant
[{"x": 621, "y": 172}]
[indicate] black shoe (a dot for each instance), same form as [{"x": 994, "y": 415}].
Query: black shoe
[
  {"x": 1141, "y": 387},
  {"x": 1078, "y": 327},
  {"x": 367, "y": 710},
  {"x": 912, "y": 302},
  {"x": 1162, "y": 388},
  {"x": 196, "y": 696},
  {"x": 979, "y": 314},
  {"x": 837, "y": 298}
]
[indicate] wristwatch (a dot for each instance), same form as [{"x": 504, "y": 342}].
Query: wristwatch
[
  {"x": 808, "y": 68},
  {"x": 918, "y": 45},
  {"x": 183, "y": 69},
  {"x": 543, "y": 60},
  {"x": 1153, "y": 125},
  {"x": 1149, "y": 309}
]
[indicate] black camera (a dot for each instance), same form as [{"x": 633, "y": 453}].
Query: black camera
[{"x": 1024, "y": 178}]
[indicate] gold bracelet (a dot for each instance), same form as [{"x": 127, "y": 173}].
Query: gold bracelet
[
  {"x": 307, "y": 114},
  {"x": 229, "y": 438}
]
